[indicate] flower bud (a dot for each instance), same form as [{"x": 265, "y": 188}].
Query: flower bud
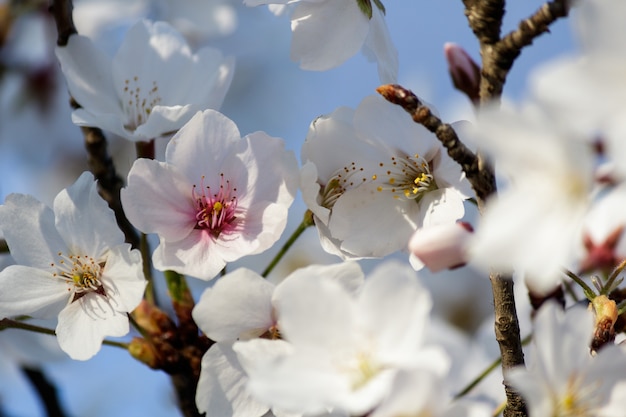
[
  {"x": 464, "y": 72},
  {"x": 441, "y": 246}
]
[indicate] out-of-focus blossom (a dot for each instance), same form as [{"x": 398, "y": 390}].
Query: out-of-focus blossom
[
  {"x": 241, "y": 306},
  {"x": 385, "y": 177},
  {"x": 328, "y": 32},
  {"x": 533, "y": 225},
  {"x": 441, "y": 246},
  {"x": 72, "y": 263},
  {"x": 217, "y": 197},
  {"x": 152, "y": 87},
  {"x": 341, "y": 350},
  {"x": 564, "y": 379}
]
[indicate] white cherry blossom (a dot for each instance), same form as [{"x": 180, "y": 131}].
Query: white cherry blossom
[
  {"x": 371, "y": 176},
  {"x": 72, "y": 262},
  {"x": 152, "y": 86},
  {"x": 328, "y": 32},
  {"x": 240, "y": 306},
  {"x": 565, "y": 380},
  {"x": 340, "y": 349}
]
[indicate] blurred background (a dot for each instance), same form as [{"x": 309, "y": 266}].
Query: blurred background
[{"x": 41, "y": 152}]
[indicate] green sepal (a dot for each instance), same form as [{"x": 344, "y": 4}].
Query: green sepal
[
  {"x": 380, "y": 6},
  {"x": 366, "y": 7}
]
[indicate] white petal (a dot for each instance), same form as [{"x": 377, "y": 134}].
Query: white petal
[
  {"x": 197, "y": 255},
  {"x": 315, "y": 311},
  {"x": 123, "y": 278},
  {"x": 239, "y": 304},
  {"x": 88, "y": 74},
  {"x": 222, "y": 386},
  {"x": 379, "y": 47},
  {"x": 31, "y": 291},
  {"x": 395, "y": 306},
  {"x": 326, "y": 34},
  {"x": 84, "y": 219},
  {"x": 84, "y": 323},
  {"x": 28, "y": 227},
  {"x": 370, "y": 223},
  {"x": 201, "y": 145}
]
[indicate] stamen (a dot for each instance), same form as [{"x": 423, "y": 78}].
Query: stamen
[
  {"x": 82, "y": 272},
  {"x": 407, "y": 176},
  {"x": 136, "y": 104},
  {"x": 215, "y": 212}
]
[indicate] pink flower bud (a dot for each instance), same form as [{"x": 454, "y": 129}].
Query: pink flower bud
[
  {"x": 464, "y": 72},
  {"x": 441, "y": 246}
]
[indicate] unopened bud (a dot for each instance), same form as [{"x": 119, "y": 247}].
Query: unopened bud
[
  {"x": 464, "y": 72},
  {"x": 144, "y": 351},
  {"x": 441, "y": 246},
  {"x": 606, "y": 315}
]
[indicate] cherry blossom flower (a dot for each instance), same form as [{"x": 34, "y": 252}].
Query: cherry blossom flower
[
  {"x": 240, "y": 306},
  {"x": 72, "y": 262},
  {"x": 216, "y": 198},
  {"x": 328, "y": 32},
  {"x": 340, "y": 349},
  {"x": 153, "y": 86},
  {"x": 385, "y": 177},
  {"x": 551, "y": 173},
  {"x": 564, "y": 379}
]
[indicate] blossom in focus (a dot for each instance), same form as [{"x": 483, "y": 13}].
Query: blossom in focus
[
  {"x": 384, "y": 177},
  {"x": 564, "y": 379},
  {"x": 551, "y": 176},
  {"x": 72, "y": 262},
  {"x": 240, "y": 306},
  {"x": 152, "y": 86},
  {"x": 341, "y": 349},
  {"x": 328, "y": 32},
  {"x": 217, "y": 197}
]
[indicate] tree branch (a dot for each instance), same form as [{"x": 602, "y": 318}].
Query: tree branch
[
  {"x": 480, "y": 176},
  {"x": 482, "y": 179},
  {"x": 99, "y": 161},
  {"x": 498, "y": 58}
]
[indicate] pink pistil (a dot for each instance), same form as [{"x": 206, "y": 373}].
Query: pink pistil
[{"x": 215, "y": 212}]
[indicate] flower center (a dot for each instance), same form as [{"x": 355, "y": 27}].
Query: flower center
[
  {"x": 215, "y": 212},
  {"x": 578, "y": 400},
  {"x": 406, "y": 177},
  {"x": 137, "y": 103},
  {"x": 82, "y": 272},
  {"x": 346, "y": 178}
]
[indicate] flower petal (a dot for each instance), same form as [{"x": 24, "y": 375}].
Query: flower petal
[
  {"x": 28, "y": 227},
  {"x": 158, "y": 199},
  {"x": 31, "y": 291},
  {"x": 326, "y": 34},
  {"x": 84, "y": 219},
  {"x": 84, "y": 323},
  {"x": 237, "y": 306}
]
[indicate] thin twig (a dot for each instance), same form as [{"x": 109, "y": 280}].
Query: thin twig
[
  {"x": 47, "y": 392},
  {"x": 480, "y": 177}
]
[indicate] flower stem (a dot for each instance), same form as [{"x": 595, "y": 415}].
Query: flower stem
[
  {"x": 144, "y": 248},
  {"x": 486, "y": 372},
  {"x": 607, "y": 288},
  {"x": 14, "y": 324},
  {"x": 307, "y": 221},
  {"x": 589, "y": 293}
]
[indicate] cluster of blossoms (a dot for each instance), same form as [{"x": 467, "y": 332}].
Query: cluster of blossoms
[{"x": 331, "y": 340}]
